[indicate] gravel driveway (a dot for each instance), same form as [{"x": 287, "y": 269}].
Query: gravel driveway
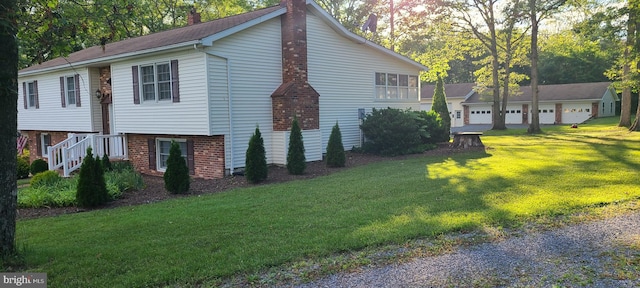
[{"x": 603, "y": 253}]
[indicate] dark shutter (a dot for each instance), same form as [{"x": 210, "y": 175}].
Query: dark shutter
[
  {"x": 24, "y": 94},
  {"x": 62, "y": 96},
  {"x": 190, "y": 157},
  {"x": 76, "y": 78},
  {"x": 37, "y": 142},
  {"x": 35, "y": 92},
  {"x": 136, "y": 86},
  {"x": 152, "y": 153},
  {"x": 175, "y": 87}
]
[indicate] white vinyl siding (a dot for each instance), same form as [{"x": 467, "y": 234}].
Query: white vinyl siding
[
  {"x": 351, "y": 85},
  {"x": 188, "y": 117},
  {"x": 51, "y": 116},
  {"x": 255, "y": 71}
]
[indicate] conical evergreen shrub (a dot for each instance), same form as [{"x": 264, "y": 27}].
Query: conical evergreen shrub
[
  {"x": 335, "y": 149},
  {"x": 439, "y": 105},
  {"x": 106, "y": 163},
  {"x": 92, "y": 189},
  {"x": 296, "y": 161},
  {"x": 176, "y": 177},
  {"x": 255, "y": 165}
]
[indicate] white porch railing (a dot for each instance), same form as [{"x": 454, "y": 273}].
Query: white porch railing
[{"x": 69, "y": 153}]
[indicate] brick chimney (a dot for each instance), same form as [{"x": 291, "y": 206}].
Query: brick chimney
[
  {"x": 193, "y": 17},
  {"x": 295, "y": 97}
]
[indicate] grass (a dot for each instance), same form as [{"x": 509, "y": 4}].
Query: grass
[{"x": 196, "y": 240}]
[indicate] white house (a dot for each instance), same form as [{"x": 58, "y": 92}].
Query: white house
[
  {"x": 208, "y": 85},
  {"x": 557, "y": 104},
  {"x": 455, "y": 94}
]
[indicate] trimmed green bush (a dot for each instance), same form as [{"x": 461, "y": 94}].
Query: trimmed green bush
[
  {"x": 22, "y": 167},
  {"x": 296, "y": 161},
  {"x": 106, "y": 164},
  {"x": 392, "y": 132},
  {"x": 255, "y": 163},
  {"x": 92, "y": 188},
  {"x": 437, "y": 132},
  {"x": 46, "y": 178},
  {"x": 176, "y": 177},
  {"x": 439, "y": 105},
  {"x": 335, "y": 148},
  {"x": 38, "y": 166}
]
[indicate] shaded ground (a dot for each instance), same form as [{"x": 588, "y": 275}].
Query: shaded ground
[{"x": 154, "y": 190}]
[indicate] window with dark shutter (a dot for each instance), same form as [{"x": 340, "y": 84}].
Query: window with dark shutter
[
  {"x": 190, "y": 157},
  {"x": 24, "y": 94},
  {"x": 35, "y": 93},
  {"x": 175, "y": 87},
  {"x": 136, "y": 86},
  {"x": 77, "y": 82},
  {"x": 63, "y": 97},
  {"x": 152, "y": 153}
]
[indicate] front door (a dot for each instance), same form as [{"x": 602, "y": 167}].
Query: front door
[{"x": 106, "y": 114}]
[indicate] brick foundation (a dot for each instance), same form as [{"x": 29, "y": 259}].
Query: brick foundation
[
  {"x": 35, "y": 152},
  {"x": 208, "y": 154}
]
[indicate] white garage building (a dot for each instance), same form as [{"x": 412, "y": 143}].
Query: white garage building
[{"x": 558, "y": 104}]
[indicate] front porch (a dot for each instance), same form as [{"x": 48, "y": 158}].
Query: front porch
[{"x": 68, "y": 154}]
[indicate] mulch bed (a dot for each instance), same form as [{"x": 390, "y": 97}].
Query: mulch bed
[{"x": 154, "y": 186}]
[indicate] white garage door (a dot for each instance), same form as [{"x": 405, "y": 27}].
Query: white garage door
[{"x": 480, "y": 115}]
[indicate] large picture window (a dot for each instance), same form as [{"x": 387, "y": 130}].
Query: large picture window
[{"x": 391, "y": 86}]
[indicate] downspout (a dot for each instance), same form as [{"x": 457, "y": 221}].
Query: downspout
[{"x": 230, "y": 108}]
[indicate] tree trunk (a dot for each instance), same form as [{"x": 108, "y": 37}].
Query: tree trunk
[
  {"x": 625, "y": 103},
  {"x": 534, "y": 127},
  {"x": 8, "y": 126},
  {"x": 495, "y": 67},
  {"x": 635, "y": 126}
]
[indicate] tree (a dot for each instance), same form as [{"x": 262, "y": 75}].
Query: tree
[
  {"x": 296, "y": 161},
  {"x": 440, "y": 106},
  {"x": 92, "y": 188},
  {"x": 335, "y": 148},
  {"x": 538, "y": 10},
  {"x": 255, "y": 166},
  {"x": 8, "y": 125},
  {"x": 176, "y": 177}
]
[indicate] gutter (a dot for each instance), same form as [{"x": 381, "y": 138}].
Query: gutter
[{"x": 110, "y": 58}]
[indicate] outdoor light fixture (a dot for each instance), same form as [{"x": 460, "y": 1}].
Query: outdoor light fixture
[{"x": 98, "y": 94}]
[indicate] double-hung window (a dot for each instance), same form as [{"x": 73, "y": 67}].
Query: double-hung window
[
  {"x": 31, "y": 95},
  {"x": 156, "y": 82},
  {"x": 70, "y": 90}
]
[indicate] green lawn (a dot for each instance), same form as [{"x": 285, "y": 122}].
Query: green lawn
[{"x": 199, "y": 239}]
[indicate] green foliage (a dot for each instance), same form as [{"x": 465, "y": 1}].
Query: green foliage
[
  {"x": 440, "y": 106},
  {"x": 335, "y": 148},
  {"x": 63, "y": 192},
  {"x": 296, "y": 161},
  {"x": 92, "y": 189},
  {"x": 38, "y": 166},
  {"x": 176, "y": 177},
  {"x": 46, "y": 178},
  {"x": 256, "y": 160},
  {"x": 393, "y": 132},
  {"x": 433, "y": 123},
  {"x": 22, "y": 167},
  {"x": 106, "y": 164}
]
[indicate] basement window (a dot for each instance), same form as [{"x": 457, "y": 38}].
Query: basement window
[{"x": 163, "y": 146}]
